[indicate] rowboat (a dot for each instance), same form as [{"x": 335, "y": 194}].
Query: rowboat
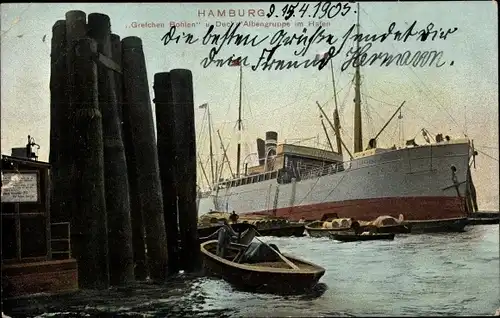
[
  {"x": 345, "y": 237},
  {"x": 274, "y": 226},
  {"x": 245, "y": 237},
  {"x": 396, "y": 229},
  {"x": 257, "y": 267},
  {"x": 483, "y": 221},
  {"x": 483, "y": 218},
  {"x": 320, "y": 228},
  {"x": 284, "y": 230},
  {"x": 389, "y": 224},
  {"x": 210, "y": 222},
  {"x": 213, "y": 217},
  {"x": 208, "y": 231},
  {"x": 436, "y": 226}
]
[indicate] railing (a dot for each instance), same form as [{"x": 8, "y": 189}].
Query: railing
[
  {"x": 60, "y": 240},
  {"x": 325, "y": 170},
  {"x": 268, "y": 175}
]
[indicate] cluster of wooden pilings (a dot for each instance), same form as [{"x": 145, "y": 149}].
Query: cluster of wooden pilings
[{"x": 125, "y": 196}]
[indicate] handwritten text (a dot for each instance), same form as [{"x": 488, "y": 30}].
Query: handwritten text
[{"x": 355, "y": 46}]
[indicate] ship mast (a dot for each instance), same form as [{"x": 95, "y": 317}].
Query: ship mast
[
  {"x": 225, "y": 155},
  {"x": 326, "y": 133},
  {"x": 211, "y": 147},
  {"x": 238, "y": 153},
  {"x": 358, "y": 133},
  {"x": 204, "y": 173},
  {"x": 336, "y": 120}
]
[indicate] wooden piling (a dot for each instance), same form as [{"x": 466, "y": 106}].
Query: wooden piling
[
  {"x": 138, "y": 236},
  {"x": 63, "y": 180},
  {"x": 59, "y": 125},
  {"x": 116, "y": 51},
  {"x": 138, "y": 115},
  {"x": 76, "y": 28},
  {"x": 165, "y": 134},
  {"x": 185, "y": 139},
  {"x": 84, "y": 162},
  {"x": 89, "y": 222},
  {"x": 121, "y": 263}
]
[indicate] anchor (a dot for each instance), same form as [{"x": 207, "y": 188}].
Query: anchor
[
  {"x": 456, "y": 185},
  {"x": 474, "y": 154},
  {"x": 454, "y": 178},
  {"x": 471, "y": 189}
]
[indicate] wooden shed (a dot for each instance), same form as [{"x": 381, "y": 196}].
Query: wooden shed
[{"x": 36, "y": 254}]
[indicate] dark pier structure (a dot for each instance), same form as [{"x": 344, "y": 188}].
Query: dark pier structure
[{"x": 130, "y": 202}]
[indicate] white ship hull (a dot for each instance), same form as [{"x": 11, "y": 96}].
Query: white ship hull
[{"x": 416, "y": 182}]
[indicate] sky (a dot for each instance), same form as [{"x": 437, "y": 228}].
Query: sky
[{"x": 458, "y": 98}]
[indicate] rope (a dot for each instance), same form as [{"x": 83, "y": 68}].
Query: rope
[
  {"x": 309, "y": 192},
  {"x": 493, "y": 158},
  {"x": 334, "y": 188},
  {"x": 407, "y": 109},
  {"x": 422, "y": 82}
]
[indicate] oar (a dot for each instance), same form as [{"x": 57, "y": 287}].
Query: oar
[{"x": 286, "y": 260}]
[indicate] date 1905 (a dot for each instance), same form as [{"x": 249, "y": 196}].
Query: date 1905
[{"x": 319, "y": 11}]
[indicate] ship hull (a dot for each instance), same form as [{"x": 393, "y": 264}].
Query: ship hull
[{"x": 416, "y": 182}]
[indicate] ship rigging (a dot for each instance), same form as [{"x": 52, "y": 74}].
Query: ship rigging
[{"x": 295, "y": 181}]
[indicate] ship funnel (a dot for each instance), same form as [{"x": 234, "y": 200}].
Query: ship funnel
[
  {"x": 271, "y": 143},
  {"x": 261, "y": 151}
]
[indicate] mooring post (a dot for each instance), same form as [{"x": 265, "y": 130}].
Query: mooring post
[
  {"x": 165, "y": 135},
  {"x": 138, "y": 236},
  {"x": 84, "y": 198},
  {"x": 89, "y": 219},
  {"x": 139, "y": 117},
  {"x": 121, "y": 263},
  {"x": 185, "y": 168},
  {"x": 76, "y": 28},
  {"x": 116, "y": 52},
  {"x": 59, "y": 126}
]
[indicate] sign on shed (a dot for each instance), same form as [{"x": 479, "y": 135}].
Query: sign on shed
[{"x": 19, "y": 187}]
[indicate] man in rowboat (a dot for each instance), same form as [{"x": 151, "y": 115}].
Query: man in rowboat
[
  {"x": 234, "y": 217},
  {"x": 226, "y": 234},
  {"x": 355, "y": 226}
]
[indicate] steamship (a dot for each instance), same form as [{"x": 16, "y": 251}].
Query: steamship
[
  {"x": 423, "y": 182},
  {"x": 426, "y": 182}
]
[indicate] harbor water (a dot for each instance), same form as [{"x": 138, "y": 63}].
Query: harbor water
[{"x": 414, "y": 275}]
